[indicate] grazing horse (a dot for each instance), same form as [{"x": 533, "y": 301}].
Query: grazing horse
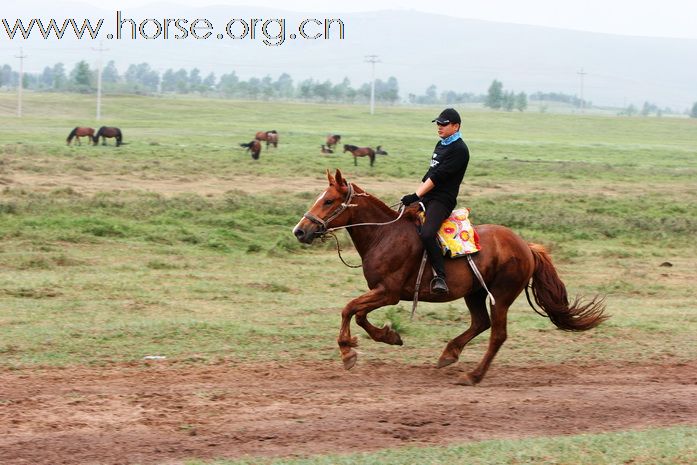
[
  {"x": 360, "y": 152},
  {"x": 254, "y": 148},
  {"x": 326, "y": 149},
  {"x": 106, "y": 131},
  {"x": 332, "y": 140},
  {"x": 391, "y": 256},
  {"x": 379, "y": 150},
  {"x": 78, "y": 132},
  {"x": 271, "y": 137}
]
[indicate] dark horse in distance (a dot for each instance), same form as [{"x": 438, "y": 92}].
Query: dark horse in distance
[
  {"x": 360, "y": 152},
  {"x": 391, "y": 256},
  {"x": 80, "y": 131},
  {"x": 254, "y": 148},
  {"x": 106, "y": 131}
]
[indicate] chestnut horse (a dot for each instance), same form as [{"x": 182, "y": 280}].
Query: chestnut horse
[
  {"x": 105, "y": 132},
  {"x": 271, "y": 137},
  {"x": 78, "y": 132},
  {"x": 360, "y": 152},
  {"x": 254, "y": 148},
  {"x": 391, "y": 251},
  {"x": 332, "y": 140}
]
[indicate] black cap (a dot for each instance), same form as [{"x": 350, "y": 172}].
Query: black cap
[{"x": 449, "y": 115}]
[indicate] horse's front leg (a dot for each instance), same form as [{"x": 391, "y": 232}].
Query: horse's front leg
[
  {"x": 362, "y": 305},
  {"x": 385, "y": 334}
]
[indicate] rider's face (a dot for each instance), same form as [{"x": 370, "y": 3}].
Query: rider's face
[{"x": 447, "y": 130}]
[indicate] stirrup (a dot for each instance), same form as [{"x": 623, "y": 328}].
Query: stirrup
[{"x": 439, "y": 286}]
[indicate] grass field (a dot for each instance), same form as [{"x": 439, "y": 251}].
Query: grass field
[{"x": 179, "y": 244}]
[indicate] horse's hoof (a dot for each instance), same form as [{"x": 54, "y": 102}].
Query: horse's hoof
[
  {"x": 465, "y": 380},
  {"x": 349, "y": 359},
  {"x": 444, "y": 362}
]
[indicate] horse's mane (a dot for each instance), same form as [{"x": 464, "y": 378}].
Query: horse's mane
[
  {"x": 350, "y": 147},
  {"x": 411, "y": 213}
]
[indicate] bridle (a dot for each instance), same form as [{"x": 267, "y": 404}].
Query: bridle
[
  {"x": 324, "y": 223},
  {"x": 345, "y": 205}
]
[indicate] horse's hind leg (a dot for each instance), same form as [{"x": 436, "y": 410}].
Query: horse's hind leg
[
  {"x": 479, "y": 322},
  {"x": 355, "y": 160},
  {"x": 499, "y": 318}
]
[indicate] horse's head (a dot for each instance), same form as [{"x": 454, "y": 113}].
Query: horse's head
[
  {"x": 347, "y": 148},
  {"x": 329, "y": 210}
]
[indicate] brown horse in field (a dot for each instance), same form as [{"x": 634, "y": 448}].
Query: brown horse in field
[
  {"x": 271, "y": 137},
  {"x": 254, "y": 148},
  {"x": 106, "y": 131},
  {"x": 332, "y": 140},
  {"x": 391, "y": 256},
  {"x": 360, "y": 152},
  {"x": 80, "y": 131}
]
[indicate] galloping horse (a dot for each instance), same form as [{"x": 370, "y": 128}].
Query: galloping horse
[
  {"x": 271, "y": 137},
  {"x": 254, "y": 147},
  {"x": 360, "y": 152},
  {"x": 391, "y": 256},
  {"x": 332, "y": 140},
  {"x": 106, "y": 131},
  {"x": 78, "y": 132}
]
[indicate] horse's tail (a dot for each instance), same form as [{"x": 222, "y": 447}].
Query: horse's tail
[
  {"x": 249, "y": 145},
  {"x": 71, "y": 135},
  {"x": 549, "y": 293},
  {"x": 119, "y": 137}
]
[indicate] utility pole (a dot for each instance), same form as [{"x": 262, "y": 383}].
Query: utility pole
[
  {"x": 372, "y": 59},
  {"x": 99, "y": 79},
  {"x": 582, "y": 74},
  {"x": 20, "y": 85}
]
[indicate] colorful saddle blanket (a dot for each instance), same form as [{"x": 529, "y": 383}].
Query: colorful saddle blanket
[{"x": 456, "y": 236}]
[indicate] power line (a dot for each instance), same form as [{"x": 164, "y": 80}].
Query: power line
[
  {"x": 20, "y": 85},
  {"x": 99, "y": 79},
  {"x": 582, "y": 74},
  {"x": 372, "y": 59}
]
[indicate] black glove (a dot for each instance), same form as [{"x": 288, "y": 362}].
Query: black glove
[{"x": 409, "y": 199}]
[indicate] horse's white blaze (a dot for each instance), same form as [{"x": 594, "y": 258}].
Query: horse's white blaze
[{"x": 319, "y": 199}]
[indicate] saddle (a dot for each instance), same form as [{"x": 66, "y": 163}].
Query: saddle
[{"x": 457, "y": 236}]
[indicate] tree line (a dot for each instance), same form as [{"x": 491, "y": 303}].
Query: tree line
[{"x": 143, "y": 79}]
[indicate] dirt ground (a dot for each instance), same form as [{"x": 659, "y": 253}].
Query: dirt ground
[{"x": 165, "y": 412}]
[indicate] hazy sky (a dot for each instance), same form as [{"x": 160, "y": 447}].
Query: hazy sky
[{"x": 655, "y": 18}]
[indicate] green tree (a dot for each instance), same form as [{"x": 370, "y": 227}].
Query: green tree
[
  {"x": 110, "y": 75},
  {"x": 81, "y": 77},
  {"x": 693, "y": 113},
  {"x": 494, "y": 96},
  {"x": 60, "y": 80},
  {"x": 228, "y": 84},
  {"x": 521, "y": 101}
]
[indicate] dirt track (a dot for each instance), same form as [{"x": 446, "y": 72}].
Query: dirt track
[{"x": 160, "y": 412}]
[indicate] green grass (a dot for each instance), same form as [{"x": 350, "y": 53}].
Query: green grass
[
  {"x": 669, "y": 446},
  {"x": 105, "y": 259},
  {"x": 178, "y": 244}
]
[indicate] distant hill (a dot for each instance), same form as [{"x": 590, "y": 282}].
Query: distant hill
[{"x": 418, "y": 49}]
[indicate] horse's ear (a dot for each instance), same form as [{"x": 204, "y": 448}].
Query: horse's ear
[
  {"x": 339, "y": 178},
  {"x": 330, "y": 178}
]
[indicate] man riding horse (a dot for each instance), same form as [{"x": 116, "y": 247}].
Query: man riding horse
[{"x": 439, "y": 188}]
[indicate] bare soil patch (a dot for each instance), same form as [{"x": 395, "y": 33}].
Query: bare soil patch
[{"x": 164, "y": 412}]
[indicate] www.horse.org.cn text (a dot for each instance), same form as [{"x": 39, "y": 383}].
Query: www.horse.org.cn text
[{"x": 271, "y": 32}]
